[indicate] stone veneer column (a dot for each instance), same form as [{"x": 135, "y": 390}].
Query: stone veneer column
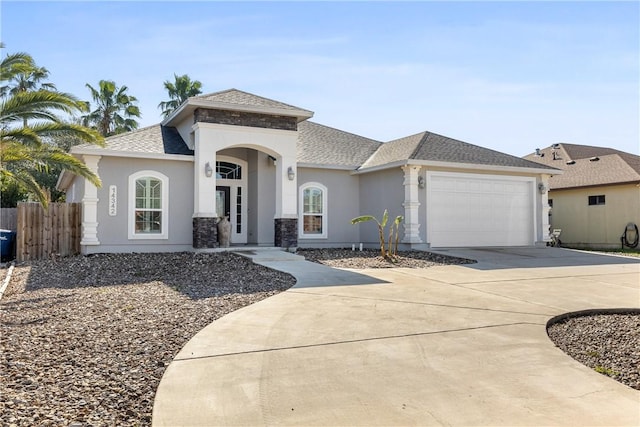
[
  {"x": 205, "y": 233},
  {"x": 90, "y": 206},
  {"x": 286, "y": 232},
  {"x": 411, "y": 205}
]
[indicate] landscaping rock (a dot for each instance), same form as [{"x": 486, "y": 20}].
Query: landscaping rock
[
  {"x": 85, "y": 340},
  {"x": 607, "y": 343}
]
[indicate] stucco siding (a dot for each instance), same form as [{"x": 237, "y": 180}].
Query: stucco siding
[
  {"x": 75, "y": 191},
  {"x": 379, "y": 191},
  {"x": 342, "y": 206},
  {"x": 113, "y": 229},
  {"x": 185, "y": 129},
  {"x": 597, "y": 225},
  {"x": 261, "y": 199}
]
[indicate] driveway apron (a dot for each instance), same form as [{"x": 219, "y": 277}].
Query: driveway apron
[{"x": 449, "y": 345}]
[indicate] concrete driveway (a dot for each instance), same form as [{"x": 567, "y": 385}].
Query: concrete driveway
[{"x": 452, "y": 345}]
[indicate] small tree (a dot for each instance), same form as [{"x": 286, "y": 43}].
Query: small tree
[{"x": 388, "y": 248}]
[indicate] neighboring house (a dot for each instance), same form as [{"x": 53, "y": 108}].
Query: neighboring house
[
  {"x": 285, "y": 181},
  {"x": 597, "y": 195}
]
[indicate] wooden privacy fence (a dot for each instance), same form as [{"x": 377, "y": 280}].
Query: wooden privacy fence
[
  {"x": 54, "y": 232},
  {"x": 9, "y": 219}
]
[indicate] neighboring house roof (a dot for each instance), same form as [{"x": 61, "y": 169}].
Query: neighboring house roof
[
  {"x": 429, "y": 146},
  {"x": 323, "y": 145},
  {"x": 583, "y": 170}
]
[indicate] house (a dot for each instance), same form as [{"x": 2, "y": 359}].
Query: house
[
  {"x": 597, "y": 195},
  {"x": 285, "y": 181}
]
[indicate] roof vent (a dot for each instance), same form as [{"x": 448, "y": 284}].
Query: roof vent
[
  {"x": 555, "y": 146},
  {"x": 571, "y": 162},
  {"x": 538, "y": 153},
  {"x": 594, "y": 159}
]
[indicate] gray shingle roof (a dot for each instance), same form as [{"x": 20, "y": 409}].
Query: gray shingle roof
[
  {"x": 429, "y": 146},
  {"x": 154, "y": 139},
  {"x": 397, "y": 150},
  {"x": 323, "y": 145},
  {"x": 612, "y": 167},
  {"x": 238, "y": 97}
]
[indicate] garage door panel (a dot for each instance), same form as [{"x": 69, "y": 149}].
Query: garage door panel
[{"x": 479, "y": 210}]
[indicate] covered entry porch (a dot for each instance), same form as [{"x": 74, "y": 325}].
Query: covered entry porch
[{"x": 252, "y": 184}]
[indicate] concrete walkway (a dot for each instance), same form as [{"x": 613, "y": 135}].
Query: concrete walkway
[{"x": 452, "y": 345}]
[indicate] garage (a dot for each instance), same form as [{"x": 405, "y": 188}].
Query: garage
[{"x": 479, "y": 210}]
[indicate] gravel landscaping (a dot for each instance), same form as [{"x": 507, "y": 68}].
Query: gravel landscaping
[
  {"x": 607, "y": 343},
  {"x": 85, "y": 340},
  {"x": 370, "y": 258}
]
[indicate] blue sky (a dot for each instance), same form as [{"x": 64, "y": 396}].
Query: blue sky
[{"x": 510, "y": 76}]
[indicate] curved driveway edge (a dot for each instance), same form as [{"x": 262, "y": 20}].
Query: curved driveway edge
[{"x": 452, "y": 345}]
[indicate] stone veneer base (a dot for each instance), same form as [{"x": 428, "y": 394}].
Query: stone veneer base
[
  {"x": 286, "y": 233},
  {"x": 205, "y": 233}
]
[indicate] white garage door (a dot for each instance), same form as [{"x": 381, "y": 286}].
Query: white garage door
[{"x": 479, "y": 210}]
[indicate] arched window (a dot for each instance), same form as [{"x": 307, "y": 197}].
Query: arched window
[
  {"x": 148, "y": 201},
  {"x": 228, "y": 170},
  {"x": 313, "y": 211}
]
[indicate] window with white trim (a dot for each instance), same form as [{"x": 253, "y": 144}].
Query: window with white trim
[
  {"x": 148, "y": 201},
  {"x": 313, "y": 211}
]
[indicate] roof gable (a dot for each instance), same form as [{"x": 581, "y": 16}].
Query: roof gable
[
  {"x": 429, "y": 146},
  {"x": 235, "y": 100},
  {"x": 238, "y": 97},
  {"x": 394, "y": 151}
]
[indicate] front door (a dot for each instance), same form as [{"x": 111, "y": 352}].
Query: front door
[
  {"x": 230, "y": 203},
  {"x": 223, "y": 202},
  {"x": 231, "y": 195}
]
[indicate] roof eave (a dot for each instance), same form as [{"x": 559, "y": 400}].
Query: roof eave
[
  {"x": 470, "y": 166},
  {"x": 132, "y": 154},
  {"x": 325, "y": 166},
  {"x": 64, "y": 180},
  {"x": 606, "y": 184}
]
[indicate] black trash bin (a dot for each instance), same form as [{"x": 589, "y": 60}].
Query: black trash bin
[{"x": 6, "y": 244}]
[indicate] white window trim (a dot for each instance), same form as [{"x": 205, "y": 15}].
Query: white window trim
[
  {"x": 325, "y": 212},
  {"x": 164, "y": 232}
]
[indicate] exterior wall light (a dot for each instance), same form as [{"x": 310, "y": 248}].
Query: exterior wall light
[
  {"x": 421, "y": 181},
  {"x": 542, "y": 188},
  {"x": 291, "y": 174},
  {"x": 208, "y": 170}
]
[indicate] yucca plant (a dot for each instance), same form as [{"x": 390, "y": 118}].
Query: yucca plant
[{"x": 388, "y": 248}]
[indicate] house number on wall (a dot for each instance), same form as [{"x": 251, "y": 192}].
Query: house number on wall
[{"x": 113, "y": 200}]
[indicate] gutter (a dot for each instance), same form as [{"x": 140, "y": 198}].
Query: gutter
[{"x": 466, "y": 166}]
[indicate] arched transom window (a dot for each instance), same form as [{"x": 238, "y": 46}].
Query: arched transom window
[
  {"x": 313, "y": 211},
  {"x": 228, "y": 170}
]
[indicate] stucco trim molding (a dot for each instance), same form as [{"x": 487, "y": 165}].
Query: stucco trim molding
[
  {"x": 411, "y": 205},
  {"x": 90, "y": 206}
]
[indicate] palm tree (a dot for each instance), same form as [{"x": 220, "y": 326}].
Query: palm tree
[
  {"x": 115, "y": 110},
  {"x": 179, "y": 91},
  {"x": 26, "y": 150},
  {"x": 25, "y": 76},
  {"x": 12, "y": 65},
  {"x": 30, "y": 80}
]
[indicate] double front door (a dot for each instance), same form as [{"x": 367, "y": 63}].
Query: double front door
[{"x": 230, "y": 203}]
